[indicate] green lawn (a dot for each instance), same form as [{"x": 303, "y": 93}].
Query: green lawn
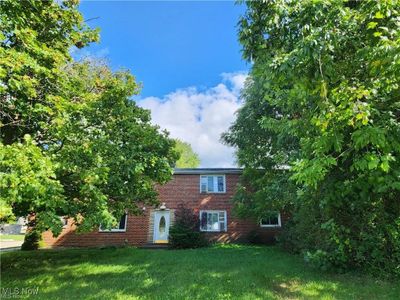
[
  {"x": 221, "y": 272},
  {"x": 14, "y": 237}
]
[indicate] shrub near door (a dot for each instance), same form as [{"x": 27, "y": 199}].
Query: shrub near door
[{"x": 185, "y": 232}]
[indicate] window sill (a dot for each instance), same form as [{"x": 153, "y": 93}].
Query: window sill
[
  {"x": 112, "y": 231},
  {"x": 270, "y": 226},
  {"x": 212, "y": 192}
]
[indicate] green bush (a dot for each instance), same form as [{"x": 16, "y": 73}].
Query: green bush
[
  {"x": 185, "y": 232},
  {"x": 32, "y": 241},
  {"x": 345, "y": 238}
]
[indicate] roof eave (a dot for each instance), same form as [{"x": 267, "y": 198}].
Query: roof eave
[{"x": 203, "y": 171}]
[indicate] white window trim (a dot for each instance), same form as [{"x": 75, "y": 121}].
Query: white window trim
[
  {"x": 214, "y": 211},
  {"x": 273, "y": 226},
  {"x": 213, "y": 192},
  {"x": 116, "y": 230}
]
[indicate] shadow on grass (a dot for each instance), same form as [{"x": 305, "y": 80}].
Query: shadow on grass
[{"x": 221, "y": 272}]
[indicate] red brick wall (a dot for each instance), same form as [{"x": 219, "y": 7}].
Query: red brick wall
[
  {"x": 135, "y": 234},
  {"x": 181, "y": 189}
]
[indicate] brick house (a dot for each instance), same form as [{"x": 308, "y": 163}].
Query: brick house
[{"x": 207, "y": 191}]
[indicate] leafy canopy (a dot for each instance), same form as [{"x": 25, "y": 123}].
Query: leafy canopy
[
  {"x": 35, "y": 40},
  {"x": 72, "y": 142},
  {"x": 188, "y": 158},
  {"x": 323, "y": 99}
]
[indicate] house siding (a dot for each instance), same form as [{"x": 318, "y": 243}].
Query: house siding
[{"x": 182, "y": 189}]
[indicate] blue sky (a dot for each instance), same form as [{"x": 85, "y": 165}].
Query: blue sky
[
  {"x": 187, "y": 57},
  {"x": 168, "y": 45}
]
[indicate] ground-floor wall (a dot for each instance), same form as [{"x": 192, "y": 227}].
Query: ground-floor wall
[
  {"x": 181, "y": 190},
  {"x": 139, "y": 231},
  {"x": 135, "y": 234}
]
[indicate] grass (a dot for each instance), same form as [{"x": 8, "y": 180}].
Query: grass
[
  {"x": 14, "y": 237},
  {"x": 220, "y": 272}
]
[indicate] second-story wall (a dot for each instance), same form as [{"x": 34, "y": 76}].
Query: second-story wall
[{"x": 185, "y": 189}]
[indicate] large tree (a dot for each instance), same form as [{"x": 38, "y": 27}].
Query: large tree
[
  {"x": 187, "y": 157},
  {"x": 35, "y": 42},
  {"x": 72, "y": 142},
  {"x": 328, "y": 76}
]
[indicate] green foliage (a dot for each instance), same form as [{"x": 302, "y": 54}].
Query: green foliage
[
  {"x": 323, "y": 98},
  {"x": 188, "y": 158},
  {"x": 72, "y": 142},
  {"x": 35, "y": 40},
  {"x": 6, "y": 214},
  {"x": 110, "y": 166},
  {"x": 28, "y": 183},
  {"x": 185, "y": 233},
  {"x": 32, "y": 240},
  {"x": 183, "y": 238}
]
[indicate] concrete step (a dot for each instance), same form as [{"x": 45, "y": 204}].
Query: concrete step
[{"x": 155, "y": 246}]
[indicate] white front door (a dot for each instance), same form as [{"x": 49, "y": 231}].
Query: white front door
[{"x": 161, "y": 226}]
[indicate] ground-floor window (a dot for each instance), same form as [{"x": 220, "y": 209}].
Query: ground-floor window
[
  {"x": 213, "y": 220},
  {"x": 272, "y": 219},
  {"x": 121, "y": 227}
]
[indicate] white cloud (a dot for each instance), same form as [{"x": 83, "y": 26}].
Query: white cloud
[
  {"x": 81, "y": 54},
  {"x": 236, "y": 80},
  {"x": 200, "y": 117}
]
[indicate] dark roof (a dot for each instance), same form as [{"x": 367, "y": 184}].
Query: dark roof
[{"x": 195, "y": 171}]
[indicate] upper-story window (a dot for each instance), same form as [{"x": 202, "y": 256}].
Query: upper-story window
[{"x": 212, "y": 184}]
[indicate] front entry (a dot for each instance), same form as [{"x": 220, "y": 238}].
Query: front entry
[{"x": 161, "y": 227}]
